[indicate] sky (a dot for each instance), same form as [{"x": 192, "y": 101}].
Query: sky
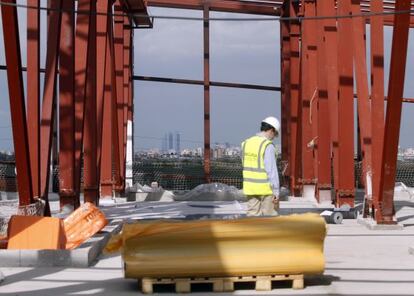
[{"x": 240, "y": 52}]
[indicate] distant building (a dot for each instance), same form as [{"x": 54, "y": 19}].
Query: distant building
[
  {"x": 177, "y": 142},
  {"x": 170, "y": 141},
  {"x": 164, "y": 145}
]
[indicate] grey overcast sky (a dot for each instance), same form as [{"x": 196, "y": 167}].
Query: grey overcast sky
[{"x": 241, "y": 52}]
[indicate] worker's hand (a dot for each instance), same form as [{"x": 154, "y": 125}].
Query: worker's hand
[{"x": 275, "y": 201}]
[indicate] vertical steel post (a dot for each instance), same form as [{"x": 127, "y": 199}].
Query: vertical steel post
[
  {"x": 128, "y": 102},
  {"x": 116, "y": 184},
  {"x": 308, "y": 90},
  {"x": 119, "y": 73},
  {"x": 49, "y": 97},
  {"x": 90, "y": 183},
  {"x": 81, "y": 67},
  {"x": 33, "y": 92},
  {"x": 377, "y": 101},
  {"x": 363, "y": 103},
  {"x": 206, "y": 35},
  {"x": 346, "y": 189},
  {"x": 17, "y": 103},
  {"x": 294, "y": 141},
  {"x": 331, "y": 68},
  {"x": 323, "y": 138},
  {"x": 285, "y": 95},
  {"x": 106, "y": 155},
  {"x": 102, "y": 21},
  {"x": 384, "y": 214},
  {"x": 67, "y": 107}
]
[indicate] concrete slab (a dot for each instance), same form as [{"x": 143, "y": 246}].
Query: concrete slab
[{"x": 372, "y": 224}]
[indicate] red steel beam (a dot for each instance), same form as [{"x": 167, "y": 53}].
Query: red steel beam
[
  {"x": 90, "y": 173},
  {"x": 323, "y": 140},
  {"x": 363, "y": 102},
  {"x": 251, "y": 7},
  {"x": 346, "y": 188},
  {"x": 107, "y": 131},
  {"x": 331, "y": 67},
  {"x": 17, "y": 103},
  {"x": 33, "y": 92},
  {"x": 206, "y": 43},
  {"x": 114, "y": 115},
  {"x": 384, "y": 214},
  {"x": 126, "y": 84},
  {"x": 81, "y": 63},
  {"x": 67, "y": 107},
  {"x": 103, "y": 8},
  {"x": 308, "y": 89},
  {"x": 49, "y": 97},
  {"x": 120, "y": 104},
  {"x": 285, "y": 96},
  {"x": 377, "y": 102},
  {"x": 295, "y": 124}
]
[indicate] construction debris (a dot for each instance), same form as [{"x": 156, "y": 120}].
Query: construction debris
[
  {"x": 212, "y": 192},
  {"x": 83, "y": 224}
]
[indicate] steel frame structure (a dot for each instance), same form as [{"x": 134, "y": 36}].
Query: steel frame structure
[{"x": 91, "y": 54}]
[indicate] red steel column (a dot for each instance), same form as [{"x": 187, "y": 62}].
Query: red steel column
[
  {"x": 119, "y": 73},
  {"x": 308, "y": 89},
  {"x": 363, "y": 103},
  {"x": 17, "y": 104},
  {"x": 346, "y": 189},
  {"x": 114, "y": 111},
  {"x": 377, "y": 102},
  {"x": 67, "y": 107},
  {"x": 128, "y": 102},
  {"x": 101, "y": 55},
  {"x": 295, "y": 145},
  {"x": 49, "y": 97},
  {"x": 285, "y": 97},
  {"x": 384, "y": 214},
  {"x": 331, "y": 68},
  {"x": 81, "y": 64},
  {"x": 90, "y": 173},
  {"x": 323, "y": 140},
  {"x": 206, "y": 35},
  {"x": 33, "y": 92},
  {"x": 106, "y": 156}
]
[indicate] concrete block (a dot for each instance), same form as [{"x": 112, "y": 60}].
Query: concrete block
[
  {"x": 44, "y": 258},
  {"x": 83, "y": 256},
  {"x": 9, "y": 258},
  {"x": 309, "y": 192},
  {"x": 372, "y": 225},
  {"x": 136, "y": 196}
]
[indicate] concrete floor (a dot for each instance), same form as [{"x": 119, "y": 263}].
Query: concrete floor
[{"x": 359, "y": 261}]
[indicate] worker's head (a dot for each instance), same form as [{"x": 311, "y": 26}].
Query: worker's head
[{"x": 271, "y": 126}]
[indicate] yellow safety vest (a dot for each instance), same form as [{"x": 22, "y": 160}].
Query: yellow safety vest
[{"x": 255, "y": 179}]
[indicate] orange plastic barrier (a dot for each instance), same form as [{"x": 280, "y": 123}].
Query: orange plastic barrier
[
  {"x": 82, "y": 224},
  {"x": 35, "y": 233}
]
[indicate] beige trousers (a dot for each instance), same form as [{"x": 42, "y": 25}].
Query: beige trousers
[{"x": 261, "y": 205}]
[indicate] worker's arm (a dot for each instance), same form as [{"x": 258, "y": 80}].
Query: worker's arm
[{"x": 271, "y": 168}]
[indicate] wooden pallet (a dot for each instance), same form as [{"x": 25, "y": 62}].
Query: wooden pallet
[{"x": 221, "y": 284}]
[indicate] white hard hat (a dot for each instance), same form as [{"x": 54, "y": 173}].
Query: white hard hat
[{"x": 273, "y": 122}]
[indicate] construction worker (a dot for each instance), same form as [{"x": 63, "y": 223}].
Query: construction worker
[{"x": 260, "y": 176}]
